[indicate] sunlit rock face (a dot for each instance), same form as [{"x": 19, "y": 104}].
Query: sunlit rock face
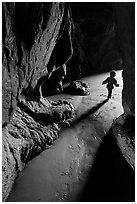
[
  {"x": 94, "y": 39},
  {"x": 32, "y": 129},
  {"x": 33, "y": 34},
  {"x": 30, "y": 33}
]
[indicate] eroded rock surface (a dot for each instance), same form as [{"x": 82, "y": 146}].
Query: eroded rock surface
[
  {"x": 31, "y": 31},
  {"x": 33, "y": 35},
  {"x": 33, "y": 128},
  {"x": 77, "y": 88},
  {"x": 54, "y": 85},
  {"x": 124, "y": 130}
]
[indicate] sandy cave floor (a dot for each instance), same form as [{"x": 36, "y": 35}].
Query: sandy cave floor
[{"x": 61, "y": 172}]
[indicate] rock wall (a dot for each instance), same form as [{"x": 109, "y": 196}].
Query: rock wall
[
  {"x": 36, "y": 41},
  {"x": 30, "y": 33},
  {"x": 125, "y": 21},
  {"x": 124, "y": 126}
]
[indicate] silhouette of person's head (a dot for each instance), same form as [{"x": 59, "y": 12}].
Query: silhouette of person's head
[{"x": 112, "y": 74}]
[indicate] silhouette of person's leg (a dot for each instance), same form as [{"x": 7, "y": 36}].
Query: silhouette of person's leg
[{"x": 109, "y": 93}]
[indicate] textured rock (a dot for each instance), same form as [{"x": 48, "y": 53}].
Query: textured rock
[
  {"x": 33, "y": 127},
  {"x": 77, "y": 88},
  {"x": 30, "y": 33},
  {"x": 33, "y": 34},
  {"x": 49, "y": 88},
  {"x": 124, "y": 130}
]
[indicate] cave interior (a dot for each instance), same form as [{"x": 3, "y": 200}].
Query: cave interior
[{"x": 55, "y": 55}]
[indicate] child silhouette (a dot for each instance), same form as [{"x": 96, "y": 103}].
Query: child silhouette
[{"x": 110, "y": 81}]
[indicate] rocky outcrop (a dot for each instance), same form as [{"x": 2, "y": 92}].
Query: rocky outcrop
[
  {"x": 32, "y": 129},
  {"x": 49, "y": 88},
  {"x": 124, "y": 131},
  {"x": 31, "y": 31},
  {"x": 77, "y": 88},
  {"x": 33, "y": 35}
]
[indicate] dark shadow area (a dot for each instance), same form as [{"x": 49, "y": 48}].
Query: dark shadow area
[
  {"x": 111, "y": 179},
  {"x": 28, "y": 18},
  {"x": 94, "y": 40},
  {"x": 88, "y": 112}
]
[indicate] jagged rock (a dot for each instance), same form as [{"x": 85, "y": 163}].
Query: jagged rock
[
  {"x": 54, "y": 84},
  {"x": 124, "y": 130},
  {"x": 77, "y": 88},
  {"x": 33, "y": 34},
  {"x": 33, "y": 127},
  {"x": 46, "y": 111}
]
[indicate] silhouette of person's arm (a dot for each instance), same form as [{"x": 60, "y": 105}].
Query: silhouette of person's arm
[
  {"x": 115, "y": 83},
  {"x": 105, "y": 81}
]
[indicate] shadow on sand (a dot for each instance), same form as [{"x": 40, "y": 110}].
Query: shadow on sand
[
  {"x": 88, "y": 112},
  {"x": 111, "y": 178}
]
